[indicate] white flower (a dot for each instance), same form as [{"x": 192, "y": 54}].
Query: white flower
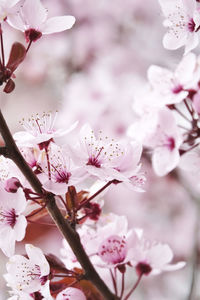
[
  {"x": 169, "y": 86},
  {"x": 12, "y": 222},
  {"x": 183, "y": 21},
  {"x": 27, "y": 275},
  {"x": 40, "y": 130},
  {"x": 32, "y": 20}
]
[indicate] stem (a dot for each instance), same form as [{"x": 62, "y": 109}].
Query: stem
[
  {"x": 70, "y": 235},
  {"x": 123, "y": 285},
  {"x": 182, "y": 115},
  {"x": 29, "y": 45},
  {"x": 48, "y": 163},
  {"x": 113, "y": 281},
  {"x": 2, "y": 48},
  {"x": 83, "y": 203},
  {"x": 133, "y": 288},
  {"x": 194, "y": 258}
]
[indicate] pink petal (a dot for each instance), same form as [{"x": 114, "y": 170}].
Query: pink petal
[
  {"x": 20, "y": 228},
  {"x": 37, "y": 257},
  {"x": 172, "y": 41},
  {"x": 58, "y": 24},
  {"x": 34, "y": 13},
  {"x": 165, "y": 160},
  {"x": 71, "y": 294}
]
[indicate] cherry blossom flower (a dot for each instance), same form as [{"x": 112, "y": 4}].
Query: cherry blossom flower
[
  {"x": 183, "y": 21},
  {"x": 6, "y": 8},
  {"x": 109, "y": 244},
  {"x": 12, "y": 222},
  {"x": 115, "y": 250},
  {"x": 32, "y": 20},
  {"x": 171, "y": 87},
  {"x": 59, "y": 170},
  {"x": 106, "y": 159},
  {"x": 28, "y": 275},
  {"x": 40, "y": 131},
  {"x": 165, "y": 143},
  {"x": 153, "y": 258},
  {"x": 71, "y": 294}
]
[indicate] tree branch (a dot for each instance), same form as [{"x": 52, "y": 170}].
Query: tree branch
[
  {"x": 68, "y": 232},
  {"x": 3, "y": 151}
]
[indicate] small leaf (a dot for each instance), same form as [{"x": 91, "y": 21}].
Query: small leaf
[
  {"x": 9, "y": 87},
  {"x": 17, "y": 55}
]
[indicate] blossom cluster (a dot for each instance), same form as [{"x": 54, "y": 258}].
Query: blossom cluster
[{"x": 79, "y": 172}]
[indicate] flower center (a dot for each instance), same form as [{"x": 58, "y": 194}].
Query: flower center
[
  {"x": 191, "y": 25},
  {"x": 143, "y": 268},
  {"x": 9, "y": 217},
  {"x": 32, "y": 35},
  {"x": 170, "y": 143},
  {"x": 113, "y": 250},
  {"x": 177, "y": 89},
  {"x": 62, "y": 176}
]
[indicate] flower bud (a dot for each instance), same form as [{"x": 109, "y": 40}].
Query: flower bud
[{"x": 12, "y": 184}]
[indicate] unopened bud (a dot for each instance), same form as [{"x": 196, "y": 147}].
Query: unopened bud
[{"x": 12, "y": 185}]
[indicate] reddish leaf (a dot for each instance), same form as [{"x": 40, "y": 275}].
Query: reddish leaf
[
  {"x": 17, "y": 55},
  {"x": 55, "y": 263},
  {"x": 9, "y": 87}
]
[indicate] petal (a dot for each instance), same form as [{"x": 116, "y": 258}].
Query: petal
[
  {"x": 164, "y": 160},
  {"x": 56, "y": 187},
  {"x": 16, "y": 22},
  {"x": 20, "y": 228},
  {"x": 37, "y": 257},
  {"x": 71, "y": 293},
  {"x": 34, "y": 13},
  {"x": 58, "y": 24},
  {"x": 185, "y": 70},
  {"x": 174, "y": 267},
  {"x": 11, "y": 3},
  {"x": 7, "y": 244},
  {"x": 159, "y": 255},
  {"x": 191, "y": 42},
  {"x": 174, "y": 41}
]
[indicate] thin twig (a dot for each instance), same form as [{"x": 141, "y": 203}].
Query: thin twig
[{"x": 133, "y": 288}]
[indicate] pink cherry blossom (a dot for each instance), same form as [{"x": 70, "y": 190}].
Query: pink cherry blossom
[
  {"x": 116, "y": 250},
  {"x": 30, "y": 274},
  {"x": 12, "y": 222},
  {"x": 107, "y": 159},
  {"x": 71, "y": 294},
  {"x": 59, "y": 170},
  {"x": 165, "y": 143},
  {"x": 153, "y": 258},
  {"x": 183, "y": 21},
  {"x": 169, "y": 86},
  {"x": 32, "y": 20},
  {"x": 40, "y": 130},
  {"x": 92, "y": 237}
]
